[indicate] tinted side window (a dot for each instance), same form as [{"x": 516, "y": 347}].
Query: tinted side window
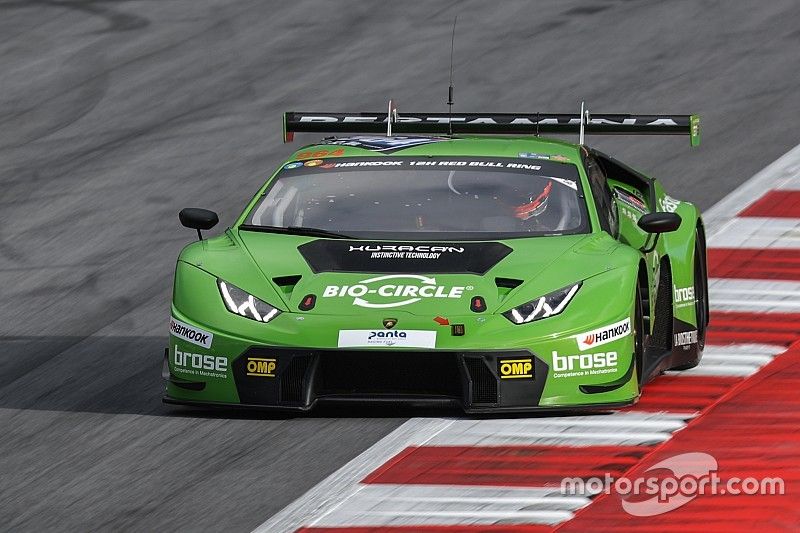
[
  {"x": 603, "y": 198},
  {"x": 616, "y": 172}
]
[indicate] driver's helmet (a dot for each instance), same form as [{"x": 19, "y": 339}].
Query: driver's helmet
[{"x": 536, "y": 202}]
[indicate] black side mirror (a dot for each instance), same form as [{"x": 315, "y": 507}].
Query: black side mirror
[
  {"x": 196, "y": 218},
  {"x": 656, "y": 224},
  {"x": 659, "y": 222}
]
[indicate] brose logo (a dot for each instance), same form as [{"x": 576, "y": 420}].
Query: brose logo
[
  {"x": 261, "y": 367},
  {"x": 584, "y": 364},
  {"x": 515, "y": 368},
  {"x": 669, "y": 204},
  {"x": 604, "y": 335},
  {"x": 402, "y": 294},
  {"x": 200, "y": 364},
  {"x": 684, "y": 294}
]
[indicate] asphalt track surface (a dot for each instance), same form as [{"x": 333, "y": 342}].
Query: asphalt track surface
[{"x": 114, "y": 115}]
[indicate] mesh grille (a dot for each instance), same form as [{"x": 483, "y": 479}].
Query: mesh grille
[
  {"x": 394, "y": 373},
  {"x": 662, "y": 329},
  {"x": 484, "y": 384},
  {"x": 292, "y": 380}
]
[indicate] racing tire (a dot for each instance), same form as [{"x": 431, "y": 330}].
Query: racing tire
[
  {"x": 701, "y": 299},
  {"x": 700, "y": 292},
  {"x": 638, "y": 338}
]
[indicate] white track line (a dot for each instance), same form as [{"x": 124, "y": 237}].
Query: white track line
[
  {"x": 342, "y": 484},
  {"x": 754, "y": 295},
  {"x": 342, "y": 490},
  {"x": 403, "y": 505},
  {"x": 758, "y": 232},
  {"x": 739, "y": 360},
  {"x": 781, "y": 174},
  {"x": 620, "y": 429}
]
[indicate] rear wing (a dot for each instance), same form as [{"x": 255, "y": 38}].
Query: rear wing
[{"x": 490, "y": 124}]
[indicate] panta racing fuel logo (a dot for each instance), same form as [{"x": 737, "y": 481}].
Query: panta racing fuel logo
[
  {"x": 515, "y": 368},
  {"x": 261, "y": 367},
  {"x": 604, "y": 335},
  {"x": 410, "y": 338},
  {"x": 400, "y": 294}
]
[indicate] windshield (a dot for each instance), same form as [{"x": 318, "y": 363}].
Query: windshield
[{"x": 426, "y": 198}]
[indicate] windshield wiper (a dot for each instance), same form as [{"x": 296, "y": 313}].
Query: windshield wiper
[{"x": 297, "y": 230}]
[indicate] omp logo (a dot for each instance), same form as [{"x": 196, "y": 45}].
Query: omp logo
[
  {"x": 515, "y": 368},
  {"x": 685, "y": 294},
  {"x": 261, "y": 367},
  {"x": 199, "y": 364},
  {"x": 190, "y": 333},
  {"x": 584, "y": 361},
  {"x": 364, "y": 291},
  {"x": 604, "y": 335}
]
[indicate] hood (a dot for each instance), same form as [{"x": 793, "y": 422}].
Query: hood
[{"x": 353, "y": 277}]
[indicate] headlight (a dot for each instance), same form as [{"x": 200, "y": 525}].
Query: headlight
[
  {"x": 245, "y": 304},
  {"x": 543, "y": 307}
]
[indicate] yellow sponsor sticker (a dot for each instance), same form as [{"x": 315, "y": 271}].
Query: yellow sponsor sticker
[
  {"x": 261, "y": 367},
  {"x": 515, "y": 368}
]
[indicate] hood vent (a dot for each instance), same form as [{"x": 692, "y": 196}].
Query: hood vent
[
  {"x": 505, "y": 286},
  {"x": 286, "y": 283},
  {"x": 386, "y": 257},
  {"x": 507, "y": 283}
]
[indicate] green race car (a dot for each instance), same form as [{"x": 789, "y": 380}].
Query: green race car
[{"x": 466, "y": 261}]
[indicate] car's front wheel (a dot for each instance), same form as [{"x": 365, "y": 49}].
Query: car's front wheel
[
  {"x": 700, "y": 292},
  {"x": 701, "y": 299},
  {"x": 638, "y": 337}
]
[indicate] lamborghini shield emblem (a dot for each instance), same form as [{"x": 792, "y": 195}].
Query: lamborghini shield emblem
[{"x": 389, "y": 323}]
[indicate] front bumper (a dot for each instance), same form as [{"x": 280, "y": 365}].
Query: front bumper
[{"x": 476, "y": 381}]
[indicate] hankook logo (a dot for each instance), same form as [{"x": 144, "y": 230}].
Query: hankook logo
[
  {"x": 604, "y": 335},
  {"x": 399, "y": 294}
]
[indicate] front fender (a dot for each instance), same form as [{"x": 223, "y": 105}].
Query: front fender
[{"x": 679, "y": 248}]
